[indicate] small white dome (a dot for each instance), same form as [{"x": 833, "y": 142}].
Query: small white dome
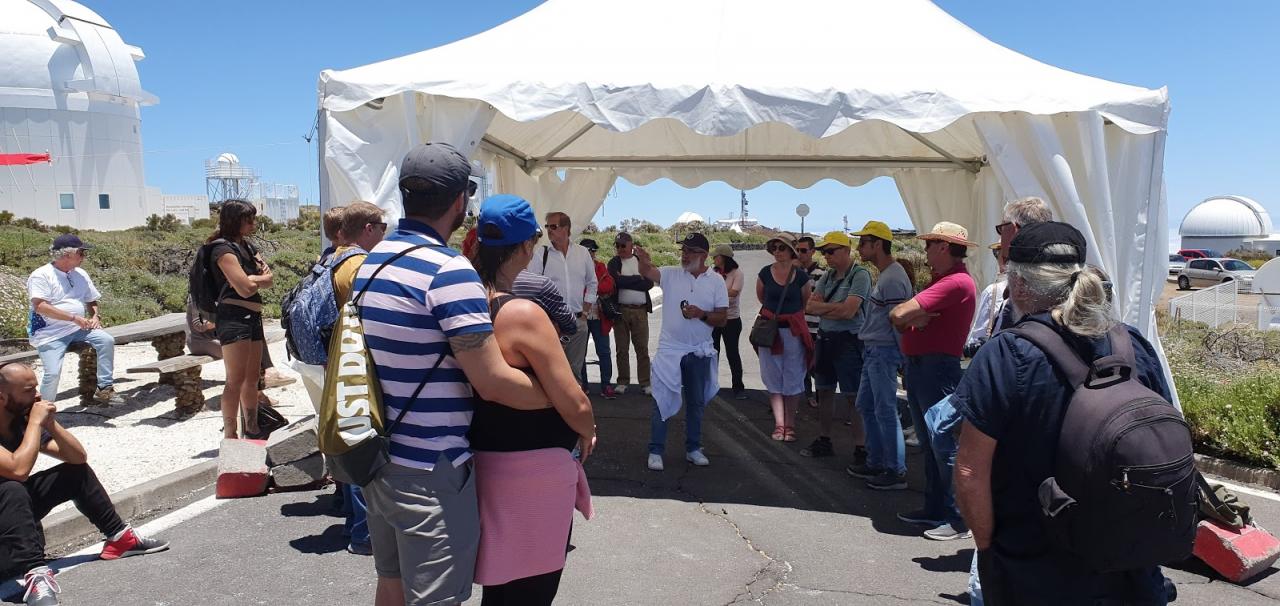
[
  {"x": 228, "y": 158},
  {"x": 1227, "y": 216},
  {"x": 689, "y": 217}
]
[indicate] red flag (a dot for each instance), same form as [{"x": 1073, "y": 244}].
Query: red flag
[{"x": 20, "y": 159}]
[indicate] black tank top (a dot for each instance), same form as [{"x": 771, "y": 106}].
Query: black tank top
[{"x": 498, "y": 428}]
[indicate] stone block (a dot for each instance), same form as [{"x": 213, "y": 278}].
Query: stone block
[
  {"x": 293, "y": 442},
  {"x": 302, "y": 473},
  {"x": 242, "y": 469},
  {"x": 1238, "y": 554}
]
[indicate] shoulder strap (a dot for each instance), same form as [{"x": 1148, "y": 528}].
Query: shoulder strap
[
  {"x": 356, "y": 299},
  {"x": 409, "y": 403},
  {"x": 546, "y": 250},
  {"x": 791, "y": 277},
  {"x": 1053, "y": 346},
  {"x": 848, "y": 279}
]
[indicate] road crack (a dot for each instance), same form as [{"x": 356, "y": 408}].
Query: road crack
[{"x": 871, "y": 594}]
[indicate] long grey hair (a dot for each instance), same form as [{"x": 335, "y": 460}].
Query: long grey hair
[{"x": 1075, "y": 294}]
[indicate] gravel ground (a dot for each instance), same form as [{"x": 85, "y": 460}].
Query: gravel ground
[{"x": 138, "y": 438}]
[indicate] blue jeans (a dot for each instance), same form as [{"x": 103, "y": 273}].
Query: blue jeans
[
  {"x": 929, "y": 379},
  {"x": 596, "y": 327},
  {"x": 694, "y": 374},
  {"x": 357, "y": 522},
  {"x": 975, "y": 584},
  {"x": 51, "y": 355},
  {"x": 878, "y": 404}
]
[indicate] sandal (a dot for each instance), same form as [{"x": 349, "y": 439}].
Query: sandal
[
  {"x": 779, "y": 433},
  {"x": 788, "y": 434}
]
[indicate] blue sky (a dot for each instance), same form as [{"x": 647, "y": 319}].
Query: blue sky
[{"x": 241, "y": 76}]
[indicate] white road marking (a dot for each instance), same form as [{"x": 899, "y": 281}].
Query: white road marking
[
  {"x": 11, "y": 588},
  {"x": 1253, "y": 492}
]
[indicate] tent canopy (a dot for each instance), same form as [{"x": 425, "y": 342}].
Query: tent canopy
[{"x": 562, "y": 100}]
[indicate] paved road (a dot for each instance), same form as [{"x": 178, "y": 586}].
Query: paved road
[{"x": 761, "y": 525}]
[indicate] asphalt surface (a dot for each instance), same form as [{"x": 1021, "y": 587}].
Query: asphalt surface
[{"x": 760, "y": 525}]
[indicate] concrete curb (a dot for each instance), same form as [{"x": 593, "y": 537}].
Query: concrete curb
[
  {"x": 1237, "y": 472},
  {"x": 69, "y": 529}
]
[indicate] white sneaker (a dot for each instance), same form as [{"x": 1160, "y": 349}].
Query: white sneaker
[
  {"x": 697, "y": 458},
  {"x": 646, "y": 390},
  {"x": 620, "y": 389},
  {"x": 655, "y": 462}
]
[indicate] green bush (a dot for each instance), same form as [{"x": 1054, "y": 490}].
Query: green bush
[
  {"x": 1237, "y": 417},
  {"x": 6, "y": 217}
]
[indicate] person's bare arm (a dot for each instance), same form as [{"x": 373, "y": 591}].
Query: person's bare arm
[
  {"x": 245, "y": 285},
  {"x": 17, "y": 464},
  {"x": 760, "y": 291},
  {"x": 909, "y": 314},
  {"x": 64, "y": 446},
  {"x": 844, "y": 310},
  {"x": 647, "y": 269},
  {"x": 490, "y": 375},
  {"x": 973, "y": 483},
  {"x": 47, "y": 310},
  {"x": 525, "y": 328}
]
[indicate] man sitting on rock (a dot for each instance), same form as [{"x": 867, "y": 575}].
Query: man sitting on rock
[
  {"x": 64, "y": 310},
  {"x": 29, "y": 426}
]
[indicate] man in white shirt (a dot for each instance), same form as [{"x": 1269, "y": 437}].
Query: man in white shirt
[
  {"x": 686, "y": 364},
  {"x": 634, "y": 303},
  {"x": 570, "y": 268},
  {"x": 64, "y": 310}
]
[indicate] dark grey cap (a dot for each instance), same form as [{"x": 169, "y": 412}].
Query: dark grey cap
[
  {"x": 68, "y": 241},
  {"x": 434, "y": 166}
]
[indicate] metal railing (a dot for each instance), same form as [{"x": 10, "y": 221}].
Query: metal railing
[{"x": 1213, "y": 306}]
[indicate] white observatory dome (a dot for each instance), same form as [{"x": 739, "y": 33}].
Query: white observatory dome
[
  {"x": 689, "y": 217},
  {"x": 228, "y": 158},
  {"x": 1226, "y": 216},
  {"x": 53, "y": 48}
]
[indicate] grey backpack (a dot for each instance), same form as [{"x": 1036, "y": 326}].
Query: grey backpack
[{"x": 1123, "y": 493}]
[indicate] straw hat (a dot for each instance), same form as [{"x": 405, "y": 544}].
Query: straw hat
[{"x": 948, "y": 232}]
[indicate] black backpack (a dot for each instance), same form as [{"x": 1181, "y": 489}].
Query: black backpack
[
  {"x": 200, "y": 282},
  {"x": 1123, "y": 494}
]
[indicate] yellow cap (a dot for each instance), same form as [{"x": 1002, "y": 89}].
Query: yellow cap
[
  {"x": 875, "y": 229},
  {"x": 834, "y": 238}
]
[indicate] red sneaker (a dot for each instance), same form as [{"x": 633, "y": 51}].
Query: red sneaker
[{"x": 131, "y": 544}]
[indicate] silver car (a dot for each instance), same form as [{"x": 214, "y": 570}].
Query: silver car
[{"x": 1209, "y": 272}]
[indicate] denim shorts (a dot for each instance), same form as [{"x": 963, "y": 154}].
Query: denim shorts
[
  {"x": 235, "y": 323},
  {"x": 839, "y": 362}
]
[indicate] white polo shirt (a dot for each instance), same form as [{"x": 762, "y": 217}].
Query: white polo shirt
[
  {"x": 68, "y": 291},
  {"x": 706, "y": 291}
]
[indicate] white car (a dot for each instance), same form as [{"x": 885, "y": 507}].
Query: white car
[
  {"x": 1176, "y": 263},
  {"x": 1209, "y": 272}
]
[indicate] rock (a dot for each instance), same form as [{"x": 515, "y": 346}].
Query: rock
[
  {"x": 302, "y": 473},
  {"x": 242, "y": 469},
  {"x": 293, "y": 442},
  {"x": 1236, "y": 553}
]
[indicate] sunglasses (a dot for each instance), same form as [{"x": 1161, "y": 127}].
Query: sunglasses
[
  {"x": 830, "y": 251},
  {"x": 471, "y": 189},
  {"x": 802, "y": 251},
  {"x": 685, "y": 250},
  {"x": 380, "y": 225},
  {"x": 1001, "y": 227},
  {"x": 552, "y": 226},
  {"x": 621, "y": 245},
  {"x": 777, "y": 247}
]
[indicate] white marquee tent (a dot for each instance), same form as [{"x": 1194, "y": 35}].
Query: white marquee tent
[{"x": 562, "y": 100}]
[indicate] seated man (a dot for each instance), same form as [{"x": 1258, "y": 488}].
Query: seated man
[
  {"x": 29, "y": 426},
  {"x": 64, "y": 310}
]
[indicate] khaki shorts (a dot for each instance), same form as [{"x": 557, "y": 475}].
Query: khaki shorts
[{"x": 425, "y": 530}]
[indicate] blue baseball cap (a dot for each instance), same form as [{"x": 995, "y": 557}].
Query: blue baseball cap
[{"x": 511, "y": 215}]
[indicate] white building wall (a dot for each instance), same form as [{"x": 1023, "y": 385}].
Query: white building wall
[
  {"x": 94, "y": 153},
  {"x": 186, "y": 207}
]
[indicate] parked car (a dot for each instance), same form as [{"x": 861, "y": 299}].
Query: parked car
[
  {"x": 1200, "y": 253},
  {"x": 1208, "y": 272},
  {"x": 1176, "y": 263}
]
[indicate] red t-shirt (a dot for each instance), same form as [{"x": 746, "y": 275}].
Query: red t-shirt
[{"x": 953, "y": 296}]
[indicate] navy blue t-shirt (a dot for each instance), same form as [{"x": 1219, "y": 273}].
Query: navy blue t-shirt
[{"x": 1012, "y": 393}]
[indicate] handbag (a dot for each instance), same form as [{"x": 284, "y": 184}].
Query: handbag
[
  {"x": 609, "y": 307},
  {"x": 764, "y": 331},
  {"x": 350, "y": 431}
]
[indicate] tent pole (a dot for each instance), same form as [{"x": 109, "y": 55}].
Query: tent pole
[
  {"x": 504, "y": 149},
  {"x": 559, "y": 148},
  {"x": 970, "y": 165},
  {"x": 625, "y": 162}
]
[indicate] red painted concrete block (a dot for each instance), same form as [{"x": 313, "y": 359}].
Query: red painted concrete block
[
  {"x": 242, "y": 469},
  {"x": 1236, "y": 553}
]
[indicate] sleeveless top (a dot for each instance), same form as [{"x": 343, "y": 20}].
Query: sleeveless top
[{"x": 498, "y": 428}]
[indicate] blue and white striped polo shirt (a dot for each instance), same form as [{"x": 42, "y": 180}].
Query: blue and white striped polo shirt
[{"x": 411, "y": 310}]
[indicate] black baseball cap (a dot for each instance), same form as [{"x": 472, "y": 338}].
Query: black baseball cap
[
  {"x": 434, "y": 166},
  {"x": 1030, "y": 243},
  {"x": 622, "y": 238},
  {"x": 68, "y": 241},
  {"x": 696, "y": 240},
  {"x": 589, "y": 244}
]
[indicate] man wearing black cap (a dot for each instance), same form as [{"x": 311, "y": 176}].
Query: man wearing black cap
[
  {"x": 428, "y": 309},
  {"x": 632, "y": 328},
  {"x": 64, "y": 310},
  {"x": 686, "y": 365},
  {"x": 1013, "y": 399}
]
